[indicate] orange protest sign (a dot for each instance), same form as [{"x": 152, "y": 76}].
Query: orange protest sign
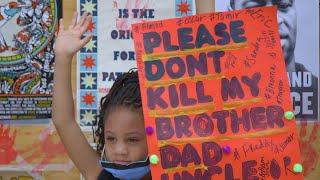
[{"x": 215, "y": 92}]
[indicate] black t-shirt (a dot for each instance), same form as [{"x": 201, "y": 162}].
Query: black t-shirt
[{"x": 105, "y": 175}]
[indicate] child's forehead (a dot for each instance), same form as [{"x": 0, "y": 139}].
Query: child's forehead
[
  {"x": 124, "y": 133},
  {"x": 116, "y": 110},
  {"x": 122, "y": 118}
]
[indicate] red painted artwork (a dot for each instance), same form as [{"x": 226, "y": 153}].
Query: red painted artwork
[
  {"x": 7, "y": 152},
  {"x": 46, "y": 150},
  {"x": 309, "y": 153}
]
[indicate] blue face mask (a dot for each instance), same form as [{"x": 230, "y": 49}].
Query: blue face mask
[{"x": 133, "y": 171}]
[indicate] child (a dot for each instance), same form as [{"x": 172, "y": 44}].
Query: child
[{"x": 122, "y": 140}]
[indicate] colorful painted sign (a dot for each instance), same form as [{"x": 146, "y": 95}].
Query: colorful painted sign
[
  {"x": 27, "y": 58},
  {"x": 216, "y": 93}
]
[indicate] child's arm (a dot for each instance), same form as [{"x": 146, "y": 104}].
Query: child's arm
[
  {"x": 68, "y": 42},
  {"x": 204, "y": 6}
]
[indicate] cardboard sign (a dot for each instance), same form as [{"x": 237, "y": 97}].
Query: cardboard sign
[{"x": 215, "y": 91}]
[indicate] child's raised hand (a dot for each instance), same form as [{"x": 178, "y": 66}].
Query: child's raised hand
[{"x": 68, "y": 41}]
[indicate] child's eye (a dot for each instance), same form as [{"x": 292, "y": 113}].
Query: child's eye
[
  {"x": 110, "y": 139},
  {"x": 133, "y": 140}
]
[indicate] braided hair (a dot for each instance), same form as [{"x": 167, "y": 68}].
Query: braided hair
[{"x": 125, "y": 92}]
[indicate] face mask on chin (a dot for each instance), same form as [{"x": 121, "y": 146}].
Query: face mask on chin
[{"x": 132, "y": 171}]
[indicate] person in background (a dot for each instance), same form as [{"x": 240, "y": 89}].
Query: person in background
[{"x": 304, "y": 97}]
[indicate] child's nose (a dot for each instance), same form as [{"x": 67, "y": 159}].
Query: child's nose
[{"x": 121, "y": 148}]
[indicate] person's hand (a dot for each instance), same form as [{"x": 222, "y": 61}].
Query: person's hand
[{"x": 69, "y": 41}]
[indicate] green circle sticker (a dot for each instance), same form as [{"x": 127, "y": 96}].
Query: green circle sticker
[
  {"x": 297, "y": 168},
  {"x": 154, "y": 159},
  {"x": 289, "y": 115}
]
